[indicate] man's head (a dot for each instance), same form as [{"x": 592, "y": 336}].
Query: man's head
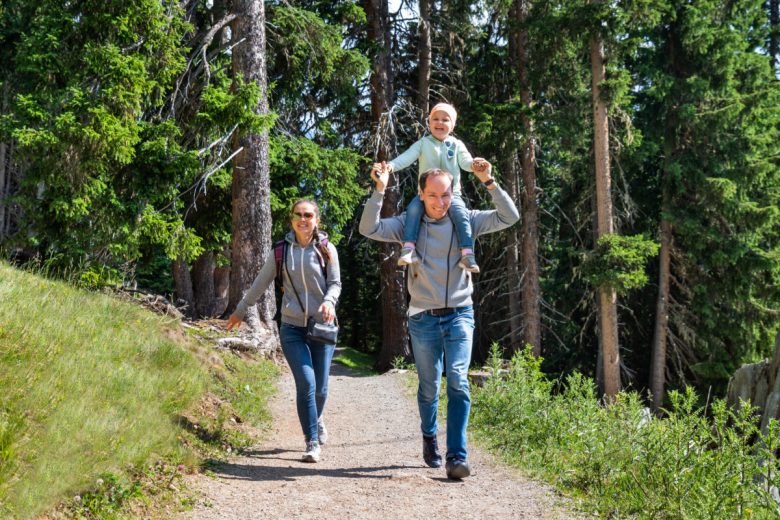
[
  {"x": 441, "y": 120},
  {"x": 436, "y": 192}
]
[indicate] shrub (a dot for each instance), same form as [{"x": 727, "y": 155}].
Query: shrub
[{"x": 620, "y": 458}]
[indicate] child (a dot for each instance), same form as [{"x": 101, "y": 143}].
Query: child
[{"x": 439, "y": 150}]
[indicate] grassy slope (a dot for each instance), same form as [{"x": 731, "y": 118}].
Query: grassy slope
[{"x": 89, "y": 384}]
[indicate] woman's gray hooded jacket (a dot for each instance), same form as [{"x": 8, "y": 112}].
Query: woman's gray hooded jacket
[{"x": 301, "y": 270}]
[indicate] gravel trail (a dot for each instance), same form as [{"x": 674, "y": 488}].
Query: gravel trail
[{"x": 372, "y": 467}]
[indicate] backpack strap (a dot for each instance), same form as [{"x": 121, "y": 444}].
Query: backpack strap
[
  {"x": 324, "y": 256},
  {"x": 280, "y": 255},
  {"x": 280, "y": 251}
]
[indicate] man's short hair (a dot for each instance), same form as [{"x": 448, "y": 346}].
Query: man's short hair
[{"x": 433, "y": 172}]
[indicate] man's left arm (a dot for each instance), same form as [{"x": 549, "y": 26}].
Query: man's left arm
[{"x": 505, "y": 213}]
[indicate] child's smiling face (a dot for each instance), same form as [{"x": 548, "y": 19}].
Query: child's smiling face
[{"x": 441, "y": 125}]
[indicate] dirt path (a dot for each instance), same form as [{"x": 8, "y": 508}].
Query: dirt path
[{"x": 371, "y": 467}]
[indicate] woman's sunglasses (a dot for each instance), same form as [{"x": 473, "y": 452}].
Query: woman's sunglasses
[{"x": 306, "y": 215}]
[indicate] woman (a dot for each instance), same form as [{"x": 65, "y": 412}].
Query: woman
[{"x": 312, "y": 285}]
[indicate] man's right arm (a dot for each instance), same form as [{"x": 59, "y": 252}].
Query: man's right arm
[{"x": 381, "y": 229}]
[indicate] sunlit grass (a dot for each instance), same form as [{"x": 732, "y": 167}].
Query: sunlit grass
[
  {"x": 90, "y": 384},
  {"x": 360, "y": 362}
]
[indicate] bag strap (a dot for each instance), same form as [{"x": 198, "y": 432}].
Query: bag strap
[
  {"x": 305, "y": 314},
  {"x": 295, "y": 291}
]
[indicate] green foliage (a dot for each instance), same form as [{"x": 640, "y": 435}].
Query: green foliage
[
  {"x": 619, "y": 261},
  {"x": 98, "y": 390},
  {"x": 112, "y": 492},
  {"x": 302, "y": 169},
  {"x": 620, "y": 459},
  {"x": 93, "y": 386},
  {"x": 359, "y": 362}
]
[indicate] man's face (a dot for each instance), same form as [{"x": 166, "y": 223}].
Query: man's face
[{"x": 437, "y": 196}]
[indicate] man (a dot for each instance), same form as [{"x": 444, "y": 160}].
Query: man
[{"x": 441, "y": 316}]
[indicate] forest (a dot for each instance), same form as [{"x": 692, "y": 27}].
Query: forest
[{"x": 157, "y": 145}]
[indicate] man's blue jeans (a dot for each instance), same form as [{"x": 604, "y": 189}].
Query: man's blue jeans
[
  {"x": 436, "y": 340},
  {"x": 310, "y": 366}
]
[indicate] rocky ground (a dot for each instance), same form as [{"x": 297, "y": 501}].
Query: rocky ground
[{"x": 371, "y": 467}]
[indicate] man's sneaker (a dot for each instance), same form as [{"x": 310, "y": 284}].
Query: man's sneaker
[
  {"x": 469, "y": 263},
  {"x": 431, "y": 452},
  {"x": 312, "y": 453},
  {"x": 322, "y": 432},
  {"x": 407, "y": 256},
  {"x": 457, "y": 469}
]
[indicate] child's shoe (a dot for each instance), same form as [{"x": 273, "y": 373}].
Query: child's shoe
[
  {"x": 469, "y": 263},
  {"x": 407, "y": 256}
]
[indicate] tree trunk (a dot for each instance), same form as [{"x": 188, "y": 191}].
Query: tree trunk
[
  {"x": 774, "y": 35},
  {"x": 203, "y": 285},
  {"x": 251, "y": 190},
  {"x": 395, "y": 337},
  {"x": 424, "y": 67},
  {"x": 514, "y": 278},
  {"x": 658, "y": 363},
  {"x": 5, "y": 171},
  {"x": 3, "y": 188},
  {"x": 608, "y": 326},
  {"x": 221, "y": 290},
  {"x": 183, "y": 294},
  {"x": 532, "y": 320}
]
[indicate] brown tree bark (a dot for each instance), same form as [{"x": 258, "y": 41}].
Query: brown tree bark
[
  {"x": 532, "y": 319},
  {"x": 658, "y": 361},
  {"x": 3, "y": 188},
  {"x": 221, "y": 290},
  {"x": 5, "y": 172},
  {"x": 395, "y": 336},
  {"x": 608, "y": 326},
  {"x": 514, "y": 275},
  {"x": 203, "y": 285},
  {"x": 251, "y": 190},
  {"x": 182, "y": 282},
  {"x": 424, "y": 66},
  {"x": 659, "y": 347}
]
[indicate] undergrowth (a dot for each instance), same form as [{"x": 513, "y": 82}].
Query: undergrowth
[{"x": 622, "y": 461}]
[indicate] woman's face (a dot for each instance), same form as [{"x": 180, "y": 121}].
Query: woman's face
[{"x": 304, "y": 218}]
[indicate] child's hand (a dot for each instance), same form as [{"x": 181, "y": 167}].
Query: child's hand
[
  {"x": 482, "y": 169},
  {"x": 378, "y": 166}
]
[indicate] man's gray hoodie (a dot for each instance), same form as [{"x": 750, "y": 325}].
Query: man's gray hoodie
[
  {"x": 436, "y": 281},
  {"x": 302, "y": 270}
]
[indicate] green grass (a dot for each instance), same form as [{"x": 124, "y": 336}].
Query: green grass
[
  {"x": 361, "y": 363},
  {"x": 95, "y": 388},
  {"x": 619, "y": 460}
]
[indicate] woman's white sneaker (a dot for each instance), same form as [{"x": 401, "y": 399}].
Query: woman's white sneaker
[{"x": 312, "y": 453}]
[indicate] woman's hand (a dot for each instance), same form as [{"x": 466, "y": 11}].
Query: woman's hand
[
  {"x": 327, "y": 311},
  {"x": 233, "y": 322}
]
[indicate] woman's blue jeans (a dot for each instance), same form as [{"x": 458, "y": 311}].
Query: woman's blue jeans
[
  {"x": 458, "y": 212},
  {"x": 310, "y": 366},
  {"x": 437, "y": 340}
]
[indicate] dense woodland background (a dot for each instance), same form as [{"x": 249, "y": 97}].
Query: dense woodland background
[{"x": 158, "y": 144}]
